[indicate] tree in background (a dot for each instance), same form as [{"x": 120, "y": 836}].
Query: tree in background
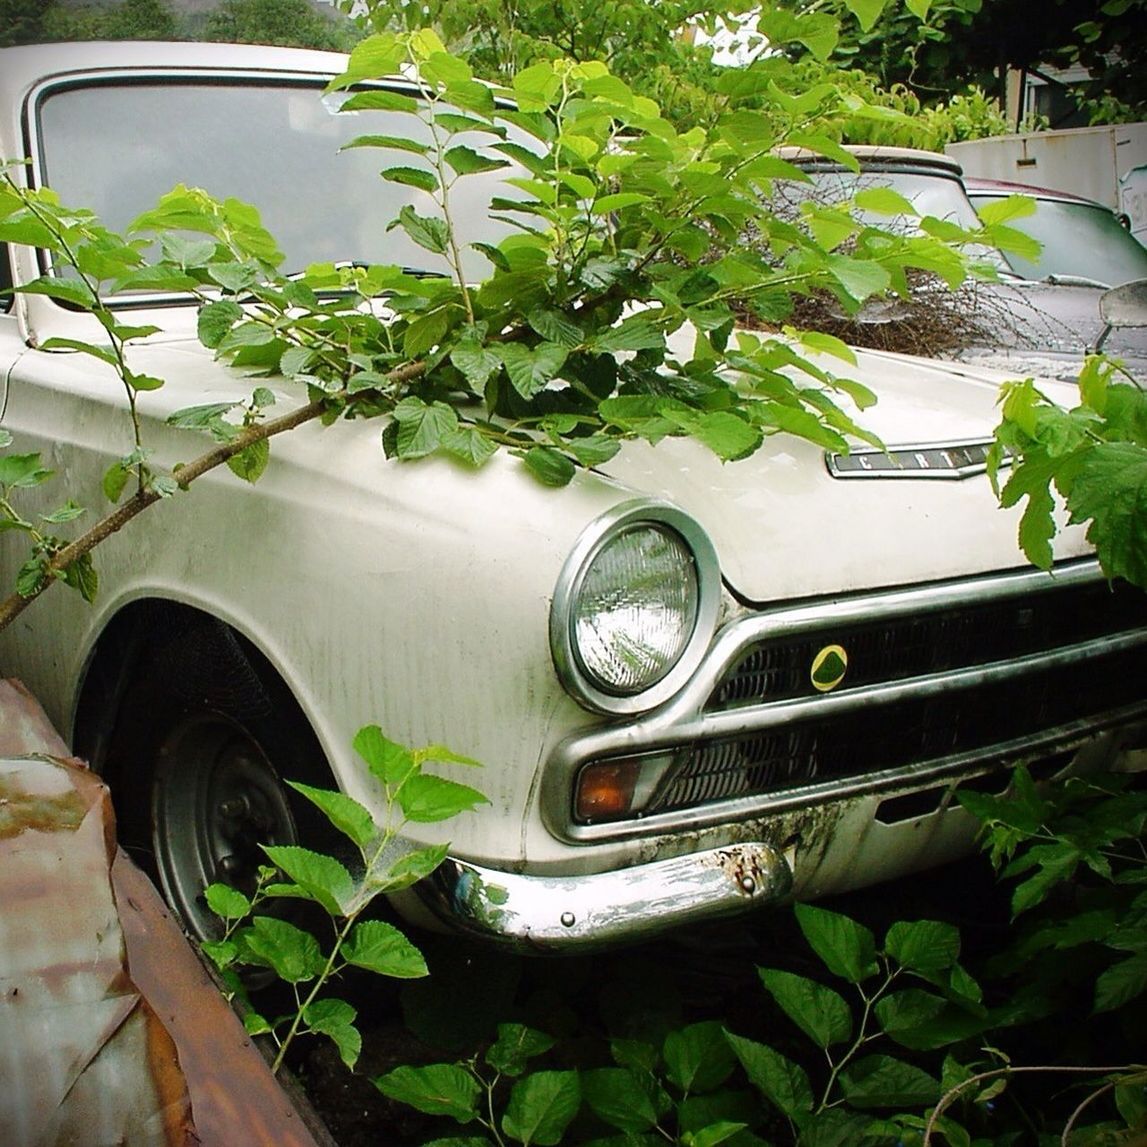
[
  {"x": 21, "y": 21},
  {"x": 291, "y": 23},
  {"x": 937, "y": 47}
]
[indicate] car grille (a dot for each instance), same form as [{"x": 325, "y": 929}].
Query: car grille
[
  {"x": 970, "y": 714},
  {"x": 939, "y": 679}
]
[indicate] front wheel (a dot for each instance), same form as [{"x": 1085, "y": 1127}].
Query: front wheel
[
  {"x": 205, "y": 737},
  {"x": 215, "y": 798}
]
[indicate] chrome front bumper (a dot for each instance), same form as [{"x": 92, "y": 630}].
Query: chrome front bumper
[{"x": 555, "y": 913}]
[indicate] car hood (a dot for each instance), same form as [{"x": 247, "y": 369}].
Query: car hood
[
  {"x": 788, "y": 525},
  {"x": 1044, "y": 328}
]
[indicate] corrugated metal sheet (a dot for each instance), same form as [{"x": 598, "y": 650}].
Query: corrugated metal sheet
[{"x": 111, "y": 1031}]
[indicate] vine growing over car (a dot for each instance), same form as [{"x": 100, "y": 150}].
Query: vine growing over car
[{"x": 611, "y": 310}]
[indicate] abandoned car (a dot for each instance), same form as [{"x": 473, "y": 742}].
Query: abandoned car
[{"x": 837, "y": 643}]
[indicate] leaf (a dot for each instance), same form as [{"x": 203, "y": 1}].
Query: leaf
[
  {"x": 22, "y": 471},
  {"x": 556, "y": 327},
  {"x": 859, "y": 277},
  {"x": 846, "y": 948},
  {"x": 1007, "y": 209},
  {"x": 530, "y": 369},
  {"x": 1121, "y": 983},
  {"x": 437, "y": 1089},
  {"x": 425, "y": 333},
  {"x": 881, "y": 1081},
  {"x": 467, "y": 161},
  {"x": 621, "y": 1098},
  {"x": 292, "y": 953},
  {"x": 387, "y": 760},
  {"x": 923, "y": 945},
  {"x": 344, "y": 813},
  {"x": 425, "y": 799},
  {"x": 867, "y": 12},
  {"x": 412, "y": 177},
  {"x": 68, "y": 512},
  {"x": 903, "y": 1013},
  {"x": 728, "y": 435},
  {"x": 422, "y": 426},
  {"x": 322, "y": 877},
  {"x": 818, "y": 1011},
  {"x": 1110, "y": 489},
  {"x": 335, "y": 1019},
  {"x": 382, "y": 948},
  {"x": 227, "y": 902},
  {"x": 216, "y": 320},
  {"x": 428, "y": 232},
  {"x": 476, "y": 362},
  {"x": 515, "y": 1045},
  {"x": 698, "y": 1057},
  {"x": 638, "y": 332},
  {"x": 549, "y": 466},
  {"x": 883, "y": 201},
  {"x": 541, "y": 1107},
  {"x": 781, "y": 1081},
  {"x": 413, "y": 866},
  {"x": 250, "y": 463},
  {"x": 81, "y": 575}
]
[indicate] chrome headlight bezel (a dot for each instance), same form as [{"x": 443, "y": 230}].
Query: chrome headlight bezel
[{"x": 603, "y": 531}]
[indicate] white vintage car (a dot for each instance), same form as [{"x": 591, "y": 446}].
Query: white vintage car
[{"x": 832, "y": 646}]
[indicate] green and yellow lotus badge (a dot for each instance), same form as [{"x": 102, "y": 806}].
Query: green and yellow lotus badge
[{"x": 828, "y": 668}]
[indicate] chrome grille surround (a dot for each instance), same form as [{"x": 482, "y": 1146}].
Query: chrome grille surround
[{"x": 1051, "y": 666}]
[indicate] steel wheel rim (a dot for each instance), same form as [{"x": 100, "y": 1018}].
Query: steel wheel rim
[{"x": 215, "y": 799}]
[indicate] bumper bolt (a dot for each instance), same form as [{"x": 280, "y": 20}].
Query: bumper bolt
[{"x": 568, "y": 919}]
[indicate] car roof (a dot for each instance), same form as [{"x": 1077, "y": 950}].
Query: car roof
[
  {"x": 875, "y": 156},
  {"x": 23, "y": 67},
  {"x": 976, "y": 186}
]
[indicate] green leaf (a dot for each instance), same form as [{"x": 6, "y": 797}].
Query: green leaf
[
  {"x": 1005, "y": 210},
  {"x": 476, "y": 362},
  {"x": 425, "y": 333},
  {"x": 22, "y": 471},
  {"x": 81, "y": 575},
  {"x": 881, "y": 1081},
  {"x": 250, "y": 463},
  {"x": 867, "y": 12},
  {"x": 909, "y": 1011},
  {"x": 382, "y": 948},
  {"x": 412, "y": 177},
  {"x": 294, "y": 954},
  {"x": 621, "y": 1097},
  {"x": 531, "y": 368},
  {"x": 515, "y": 1046},
  {"x": 428, "y": 232},
  {"x": 883, "y": 201},
  {"x": 467, "y": 161},
  {"x": 1121, "y": 983},
  {"x": 919, "y": 8},
  {"x": 335, "y": 1019},
  {"x": 200, "y": 417},
  {"x": 344, "y": 813},
  {"x": 638, "y": 332},
  {"x": 549, "y": 466},
  {"x": 541, "y": 1107},
  {"x": 68, "y": 512},
  {"x": 437, "y": 1089},
  {"x": 818, "y": 1011},
  {"x": 556, "y": 327},
  {"x": 425, "y": 799},
  {"x": 729, "y": 436},
  {"x": 846, "y": 948},
  {"x": 227, "y": 902},
  {"x": 860, "y": 278},
  {"x": 1110, "y": 490},
  {"x": 923, "y": 945},
  {"x": 698, "y": 1058},
  {"x": 322, "y": 877},
  {"x": 781, "y": 1081},
  {"x": 422, "y": 426},
  {"x": 387, "y": 760},
  {"x": 216, "y": 320},
  {"x": 414, "y": 866}
]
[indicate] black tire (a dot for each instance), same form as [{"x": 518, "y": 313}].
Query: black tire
[{"x": 205, "y": 736}]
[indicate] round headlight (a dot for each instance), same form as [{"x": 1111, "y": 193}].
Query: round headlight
[
  {"x": 635, "y": 610},
  {"x": 635, "y": 607}
]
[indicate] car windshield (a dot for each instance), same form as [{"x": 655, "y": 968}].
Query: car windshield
[
  {"x": 117, "y": 147},
  {"x": 1079, "y": 239}
]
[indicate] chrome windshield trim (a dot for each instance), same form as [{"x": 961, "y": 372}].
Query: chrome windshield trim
[
  {"x": 684, "y": 719},
  {"x": 552, "y": 913}
]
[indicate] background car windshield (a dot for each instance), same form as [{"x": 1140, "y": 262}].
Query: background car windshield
[
  {"x": 117, "y": 147},
  {"x": 937, "y": 195},
  {"x": 1078, "y": 239}
]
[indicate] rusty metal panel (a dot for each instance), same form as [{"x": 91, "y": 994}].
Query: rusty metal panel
[{"x": 111, "y": 1031}]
